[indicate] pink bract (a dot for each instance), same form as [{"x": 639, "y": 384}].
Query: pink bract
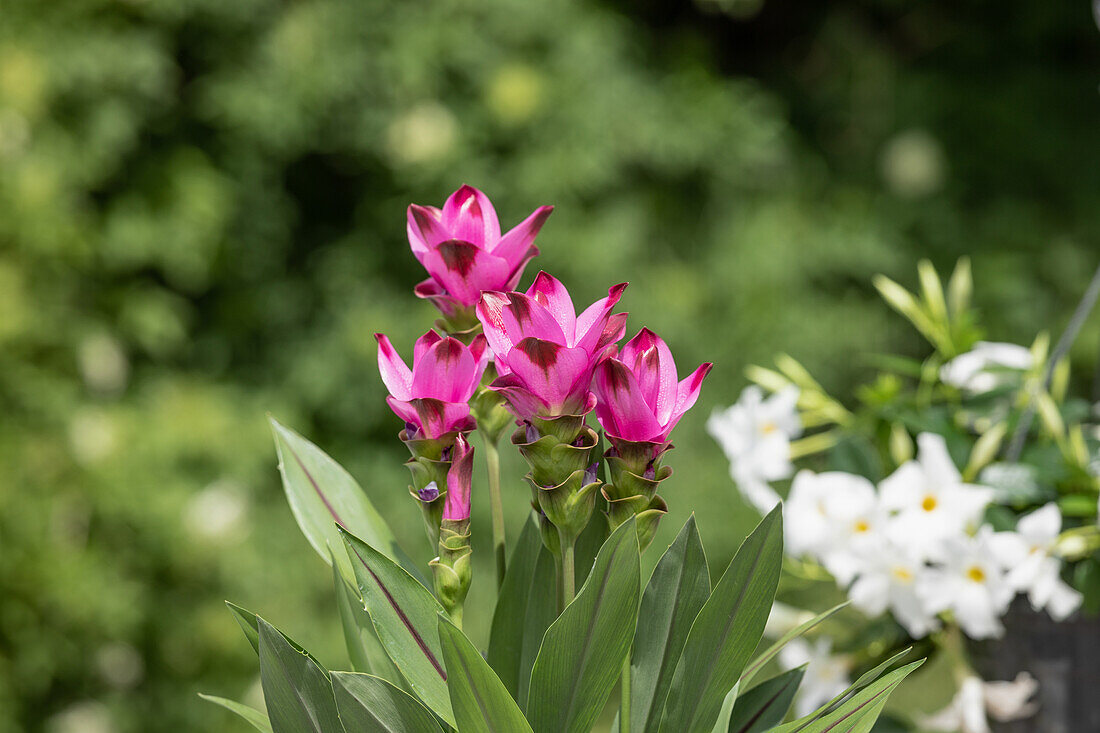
[
  {"x": 433, "y": 396},
  {"x": 545, "y": 352},
  {"x": 464, "y": 252},
  {"x": 638, "y": 396}
]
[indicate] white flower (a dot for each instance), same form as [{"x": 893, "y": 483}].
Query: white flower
[
  {"x": 971, "y": 582},
  {"x": 888, "y": 581},
  {"x": 984, "y": 368},
  {"x": 756, "y": 434},
  {"x": 932, "y": 502},
  {"x": 1010, "y": 700},
  {"x": 826, "y": 674},
  {"x": 817, "y": 519},
  {"x": 758, "y": 493},
  {"x": 1032, "y": 568},
  {"x": 858, "y": 521},
  {"x": 1003, "y": 700}
]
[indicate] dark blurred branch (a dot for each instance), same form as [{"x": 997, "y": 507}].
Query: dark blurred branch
[{"x": 1060, "y": 350}]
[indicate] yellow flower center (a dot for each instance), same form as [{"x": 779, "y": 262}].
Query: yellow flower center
[
  {"x": 976, "y": 574},
  {"x": 768, "y": 427},
  {"x": 862, "y": 525},
  {"x": 903, "y": 574},
  {"x": 929, "y": 503}
]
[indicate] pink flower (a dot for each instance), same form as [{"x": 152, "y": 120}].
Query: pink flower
[
  {"x": 433, "y": 397},
  {"x": 638, "y": 397},
  {"x": 544, "y": 352},
  {"x": 462, "y": 249},
  {"x": 457, "y": 504}
]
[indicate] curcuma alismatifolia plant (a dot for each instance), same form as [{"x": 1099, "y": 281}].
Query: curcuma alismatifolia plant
[{"x": 682, "y": 652}]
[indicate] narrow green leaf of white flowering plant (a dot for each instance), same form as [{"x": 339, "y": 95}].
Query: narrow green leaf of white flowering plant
[
  {"x": 257, "y": 718},
  {"x": 726, "y": 631},
  {"x": 323, "y": 495},
  {"x": 858, "y": 713},
  {"x": 404, "y": 615},
  {"x": 364, "y": 649},
  {"x": 479, "y": 699},
  {"x": 526, "y": 607},
  {"x": 769, "y": 653},
  {"x": 369, "y": 703},
  {"x": 297, "y": 692},
  {"x": 765, "y": 705},
  {"x": 678, "y": 588},
  {"x": 583, "y": 651}
]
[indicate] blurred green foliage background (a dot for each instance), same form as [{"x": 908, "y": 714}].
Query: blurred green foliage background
[{"x": 202, "y": 220}]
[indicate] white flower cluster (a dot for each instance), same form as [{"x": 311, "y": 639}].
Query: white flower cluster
[
  {"x": 756, "y": 434},
  {"x": 915, "y": 545}
]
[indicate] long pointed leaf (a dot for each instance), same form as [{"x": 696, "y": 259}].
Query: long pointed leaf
[
  {"x": 370, "y": 704},
  {"x": 479, "y": 699},
  {"x": 583, "y": 650},
  {"x": 726, "y": 631},
  {"x": 250, "y": 625},
  {"x": 858, "y": 713},
  {"x": 257, "y": 718},
  {"x": 297, "y": 692},
  {"x": 864, "y": 680},
  {"x": 364, "y": 649},
  {"x": 678, "y": 588},
  {"x": 758, "y": 664},
  {"x": 765, "y": 705},
  {"x": 404, "y": 615},
  {"x": 322, "y": 495},
  {"x": 526, "y": 607},
  {"x": 722, "y": 724}
]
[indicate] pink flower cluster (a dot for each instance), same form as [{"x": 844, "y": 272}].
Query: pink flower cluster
[{"x": 550, "y": 360}]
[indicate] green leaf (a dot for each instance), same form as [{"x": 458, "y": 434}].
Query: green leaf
[
  {"x": 322, "y": 495},
  {"x": 582, "y": 653},
  {"x": 298, "y": 693},
  {"x": 721, "y": 725},
  {"x": 479, "y": 699},
  {"x": 257, "y": 718},
  {"x": 769, "y": 653},
  {"x": 678, "y": 588},
  {"x": 370, "y": 704},
  {"x": 404, "y": 615},
  {"x": 726, "y": 631},
  {"x": 865, "y": 679},
  {"x": 857, "y": 714},
  {"x": 364, "y": 649},
  {"x": 766, "y": 704},
  {"x": 589, "y": 542},
  {"x": 526, "y": 607},
  {"x": 250, "y": 625}
]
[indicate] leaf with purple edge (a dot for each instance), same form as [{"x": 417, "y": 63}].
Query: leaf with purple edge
[
  {"x": 323, "y": 495},
  {"x": 404, "y": 614}
]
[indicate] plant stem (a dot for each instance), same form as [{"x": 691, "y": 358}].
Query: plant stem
[
  {"x": 1080, "y": 314},
  {"x": 496, "y": 504},
  {"x": 568, "y": 570},
  {"x": 624, "y": 705},
  {"x": 456, "y": 616}
]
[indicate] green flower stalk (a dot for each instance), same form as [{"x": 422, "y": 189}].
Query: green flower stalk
[
  {"x": 635, "y": 472},
  {"x": 563, "y": 453},
  {"x": 545, "y": 354},
  {"x": 451, "y": 570}
]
